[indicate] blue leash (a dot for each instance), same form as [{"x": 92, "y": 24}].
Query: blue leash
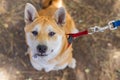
[{"x": 116, "y": 23}]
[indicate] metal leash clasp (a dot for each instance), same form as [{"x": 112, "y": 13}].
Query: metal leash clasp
[
  {"x": 102, "y": 29},
  {"x": 97, "y": 29},
  {"x": 93, "y": 30},
  {"x": 111, "y": 26}
]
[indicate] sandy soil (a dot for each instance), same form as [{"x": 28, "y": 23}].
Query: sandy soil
[{"x": 97, "y": 55}]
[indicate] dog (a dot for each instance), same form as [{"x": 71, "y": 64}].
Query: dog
[{"x": 45, "y": 33}]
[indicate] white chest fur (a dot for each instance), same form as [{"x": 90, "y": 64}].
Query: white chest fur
[{"x": 40, "y": 63}]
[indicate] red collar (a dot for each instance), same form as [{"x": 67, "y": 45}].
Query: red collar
[{"x": 75, "y": 35}]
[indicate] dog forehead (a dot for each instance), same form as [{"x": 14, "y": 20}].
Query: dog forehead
[
  {"x": 49, "y": 28},
  {"x": 43, "y": 27},
  {"x": 37, "y": 27}
]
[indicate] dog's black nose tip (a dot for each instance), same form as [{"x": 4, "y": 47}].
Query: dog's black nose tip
[{"x": 42, "y": 48}]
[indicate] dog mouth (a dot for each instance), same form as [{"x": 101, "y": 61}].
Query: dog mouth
[{"x": 42, "y": 55}]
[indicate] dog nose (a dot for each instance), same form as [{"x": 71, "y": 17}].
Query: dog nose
[{"x": 42, "y": 48}]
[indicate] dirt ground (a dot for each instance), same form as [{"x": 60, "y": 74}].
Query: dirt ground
[{"x": 97, "y": 55}]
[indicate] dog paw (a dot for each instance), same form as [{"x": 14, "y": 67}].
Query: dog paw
[
  {"x": 48, "y": 69},
  {"x": 72, "y": 64}
]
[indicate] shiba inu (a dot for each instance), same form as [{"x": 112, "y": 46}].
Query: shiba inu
[{"x": 45, "y": 32}]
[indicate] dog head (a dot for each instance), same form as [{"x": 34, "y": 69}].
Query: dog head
[{"x": 44, "y": 35}]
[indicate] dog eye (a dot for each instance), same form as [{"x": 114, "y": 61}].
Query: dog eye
[
  {"x": 51, "y": 34},
  {"x": 35, "y": 33}
]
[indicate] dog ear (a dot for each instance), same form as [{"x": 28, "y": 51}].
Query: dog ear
[
  {"x": 60, "y": 16},
  {"x": 30, "y": 13}
]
